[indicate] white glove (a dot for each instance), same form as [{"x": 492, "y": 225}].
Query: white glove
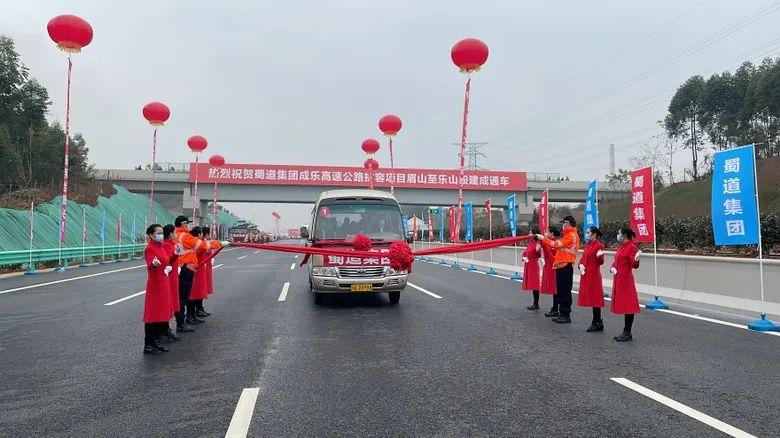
[
  {"x": 539, "y": 237},
  {"x": 542, "y": 262},
  {"x": 613, "y": 270},
  {"x": 168, "y": 270},
  {"x": 582, "y": 269},
  {"x": 156, "y": 262},
  {"x": 225, "y": 243},
  {"x": 212, "y": 261},
  {"x": 178, "y": 249},
  {"x": 525, "y": 259},
  {"x": 599, "y": 253},
  {"x": 638, "y": 254}
]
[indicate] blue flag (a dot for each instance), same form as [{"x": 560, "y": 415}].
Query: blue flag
[
  {"x": 591, "y": 208},
  {"x": 467, "y": 211},
  {"x": 734, "y": 206},
  {"x": 510, "y": 206},
  {"x": 103, "y": 228},
  {"x": 405, "y": 222},
  {"x": 441, "y": 229}
]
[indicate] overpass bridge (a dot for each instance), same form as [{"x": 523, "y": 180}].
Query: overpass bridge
[{"x": 174, "y": 184}]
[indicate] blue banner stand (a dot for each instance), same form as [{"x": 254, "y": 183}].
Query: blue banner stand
[
  {"x": 516, "y": 276},
  {"x": 30, "y": 271},
  {"x": 656, "y": 304},
  {"x": 472, "y": 268},
  {"x": 763, "y": 325},
  {"x": 443, "y": 262},
  {"x": 59, "y": 269},
  {"x": 491, "y": 271}
]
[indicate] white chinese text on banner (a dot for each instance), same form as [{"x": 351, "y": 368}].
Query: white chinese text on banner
[
  {"x": 468, "y": 212},
  {"x": 734, "y": 209},
  {"x": 544, "y": 218},
  {"x": 591, "y": 216},
  {"x": 642, "y": 211},
  {"x": 510, "y": 206}
]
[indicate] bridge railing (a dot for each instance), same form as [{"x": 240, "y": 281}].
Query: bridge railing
[{"x": 86, "y": 254}]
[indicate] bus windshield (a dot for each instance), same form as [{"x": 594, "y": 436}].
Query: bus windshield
[{"x": 344, "y": 222}]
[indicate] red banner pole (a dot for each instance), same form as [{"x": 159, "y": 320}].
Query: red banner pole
[
  {"x": 195, "y": 200},
  {"x": 462, "y": 159},
  {"x": 64, "y": 214},
  {"x": 392, "y": 167},
  {"x": 154, "y": 165},
  {"x": 214, "y": 231}
]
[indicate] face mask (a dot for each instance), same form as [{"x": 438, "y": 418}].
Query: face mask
[
  {"x": 588, "y": 237},
  {"x": 159, "y": 238},
  {"x": 619, "y": 237}
]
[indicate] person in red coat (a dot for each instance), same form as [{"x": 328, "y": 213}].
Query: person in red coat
[
  {"x": 591, "y": 286},
  {"x": 531, "y": 277},
  {"x": 200, "y": 311},
  {"x": 548, "y": 285},
  {"x": 157, "y": 300},
  {"x": 200, "y": 284},
  {"x": 169, "y": 245},
  {"x": 625, "y": 300}
]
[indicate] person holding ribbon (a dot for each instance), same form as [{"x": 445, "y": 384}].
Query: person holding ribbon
[
  {"x": 625, "y": 300},
  {"x": 548, "y": 285},
  {"x": 172, "y": 249},
  {"x": 531, "y": 277},
  {"x": 157, "y": 300},
  {"x": 591, "y": 285},
  {"x": 566, "y": 254}
]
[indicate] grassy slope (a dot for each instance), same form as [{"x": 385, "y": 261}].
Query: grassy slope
[{"x": 693, "y": 198}]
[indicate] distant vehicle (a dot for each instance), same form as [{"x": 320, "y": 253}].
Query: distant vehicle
[
  {"x": 243, "y": 232},
  {"x": 293, "y": 233},
  {"x": 340, "y": 215},
  {"x": 304, "y": 232}
]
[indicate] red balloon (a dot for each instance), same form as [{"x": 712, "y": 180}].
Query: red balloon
[
  {"x": 157, "y": 113},
  {"x": 70, "y": 32},
  {"x": 197, "y": 143},
  {"x": 371, "y": 164},
  {"x": 217, "y": 160},
  {"x": 469, "y": 55},
  {"x": 370, "y": 146},
  {"x": 390, "y": 125}
]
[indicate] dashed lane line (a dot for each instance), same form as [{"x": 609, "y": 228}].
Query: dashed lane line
[
  {"x": 679, "y": 407},
  {"x": 283, "y": 295},
  {"x": 65, "y": 280},
  {"x": 425, "y": 291},
  {"x": 257, "y": 252},
  {"x": 242, "y": 416},
  {"x": 125, "y": 298},
  {"x": 242, "y": 257},
  {"x": 292, "y": 266},
  {"x": 296, "y": 257}
]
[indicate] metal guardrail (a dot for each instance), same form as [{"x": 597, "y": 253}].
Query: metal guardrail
[{"x": 8, "y": 258}]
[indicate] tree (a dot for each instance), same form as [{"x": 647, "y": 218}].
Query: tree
[
  {"x": 620, "y": 180},
  {"x": 683, "y": 118}
]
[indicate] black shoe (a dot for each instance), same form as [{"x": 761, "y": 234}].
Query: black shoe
[
  {"x": 562, "y": 320},
  {"x": 201, "y": 313},
  {"x": 533, "y": 307},
  {"x": 596, "y": 327},
  {"x": 552, "y": 314},
  {"x": 192, "y": 320},
  {"x": 624, "y": 337},
  {"x": 184, "y": 328},
  {"x": 172, "y": 335},
  {"x": 165, "y": 339},
  {"x": 152, "y": 349},
  {"x": 160, "y": 347}
]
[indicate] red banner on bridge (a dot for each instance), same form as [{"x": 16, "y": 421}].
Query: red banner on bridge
[{"x": 272, "y": 174}]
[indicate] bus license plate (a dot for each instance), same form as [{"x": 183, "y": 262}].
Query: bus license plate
[{"x": 361, "y": 287}]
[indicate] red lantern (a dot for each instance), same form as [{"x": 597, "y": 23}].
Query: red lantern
[
  {"x": 469, "y": 55},
  {"x": 70, "y": 32},
  {"x": 370, "y": 146},
  {"x": 157, "y": 113},
  {"x": 217, "y": 160},
  {"x": 197, "y": 143},
  {"x": 390, "y": 125},
  {"x": 371, "y": 164}
]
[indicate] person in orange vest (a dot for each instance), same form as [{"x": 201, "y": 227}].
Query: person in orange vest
[
  {"x": 188, "y": 261},
  {"x": 565, "y": 255}
]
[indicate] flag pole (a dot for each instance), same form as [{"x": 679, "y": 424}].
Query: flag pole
[
  {"x": 760, "y": 240},
  {"x": 31, "y": 267}
]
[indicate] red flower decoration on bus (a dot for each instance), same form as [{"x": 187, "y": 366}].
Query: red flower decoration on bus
[
  {"x": 157, "y": 113},
  {"x": 70, "y": 32},
  {"x": 390, "y": 125},
  {"x": 469, "y": 55},
  {"x": 401, "y": 256},
  {"x": 361, "y": 243},
  {"x": 197, "y": 143}
]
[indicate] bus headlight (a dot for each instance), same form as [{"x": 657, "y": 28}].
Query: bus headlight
[
  {"x": 391, "y": 271},
  {"x": 325, "y": 271}
]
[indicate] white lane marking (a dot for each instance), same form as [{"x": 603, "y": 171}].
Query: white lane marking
[
  {"x": 292, "y": 266},
  {"x": 713, "y": 320},
  {"x": 423, "y": 290},
  {"x": 679, "y": 407},
  {"x": 242, "y": 416},
  {"x": 242, "y": 257},
  {"x": 125, "y": 298},
  {"x": 257, "y": 252},
  {"x": 217, "y": 266},
  {"x": 65, "y": 280},
  {"x": 283, "y": 295}
]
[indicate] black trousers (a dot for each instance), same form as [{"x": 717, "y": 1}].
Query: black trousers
[
  {"x": 564, "y": 280},
  {"x": 186, "y": 278}
]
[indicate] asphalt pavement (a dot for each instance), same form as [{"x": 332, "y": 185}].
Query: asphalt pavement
[{"x": 458, "y": 356}]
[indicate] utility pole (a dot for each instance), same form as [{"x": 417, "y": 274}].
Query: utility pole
[
  {"x": 472, "y": 152},
  {"x": 612, "y": 159}
]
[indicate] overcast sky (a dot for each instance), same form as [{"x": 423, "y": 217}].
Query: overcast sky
[{"x": 305, "y": 82}]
